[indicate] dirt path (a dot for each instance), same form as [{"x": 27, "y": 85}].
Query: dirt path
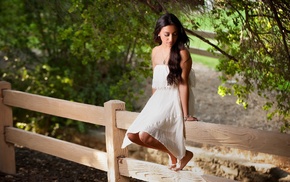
[{"x": 212, "y": 108}]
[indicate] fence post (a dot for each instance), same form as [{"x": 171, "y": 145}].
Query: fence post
[
  {"x": 7, "y": 153},
  {"x": 114, "y": 139}
]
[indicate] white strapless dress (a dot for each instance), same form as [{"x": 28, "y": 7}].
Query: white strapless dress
[{"x": 162, "y": 115}]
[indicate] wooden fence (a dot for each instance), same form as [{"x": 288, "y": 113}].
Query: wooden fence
[
  {"x": 203, "y": 52},
  {"x": 116, "y": 120}
]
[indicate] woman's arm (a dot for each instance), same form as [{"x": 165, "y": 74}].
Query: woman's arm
[
  {"x": 153, "y": 64},
  {"x": 185, "y": 64}
]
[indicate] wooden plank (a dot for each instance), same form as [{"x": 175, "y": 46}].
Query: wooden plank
[
  {"x": 7, "y": 153},
  {"x": 57, "y": 107},
  {"x": 114, "y": 139},
  {"x": 69, "y": 151},
  {"x": 148, "y": 171},
  {"x": 125, "y": 118},
  {"x": 209, "y": 178},
  {"x": 225, "y": 135},
  {"x": 204, "y": 52},
  {"x": 205, "y": 34},
  {"x": 237, "y": 137}
]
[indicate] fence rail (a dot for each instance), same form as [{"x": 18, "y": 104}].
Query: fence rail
[
  {"x": 56, "y": 107},
  {"x": 116, "y": 120},
  {"x": 204, "y": 52},
  {"x": 89, "y": 157}
]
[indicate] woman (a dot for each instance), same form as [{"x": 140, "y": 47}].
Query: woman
[{"x": 160, "y": 125}]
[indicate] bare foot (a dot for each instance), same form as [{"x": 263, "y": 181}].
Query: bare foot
[
  {"x": 188, "y": 156},
  {"x": 172, "y": 162},
  {"x": 171, "y": 166}
]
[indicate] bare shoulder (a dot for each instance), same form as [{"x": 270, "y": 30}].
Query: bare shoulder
[
  {"x": 155, "y": 50},
  {"x": 185, "y": 63},
  {"x": 185, "y": 55},
  {"x": 154, "y": 54}
]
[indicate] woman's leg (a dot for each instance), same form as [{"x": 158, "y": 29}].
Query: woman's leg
[
  {"x": 183, "y": 162},
  {"x": 146, "y": 140},
  {"x": 134, "y": 137},
  {"x": 151, "y": 141}
]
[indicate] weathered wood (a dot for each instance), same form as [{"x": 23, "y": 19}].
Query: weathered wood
[
  {"x": 7, "y": 153},
  {"x": 148, "y": 171},
  {"x": 209, "y": 178},
  {"x": 114, "y": 139},
  {"x": 57, "y": 107},
  {"x": 205, "y": 34},
  {"x": 125, "y": 118},
  {"x": 237, "y": 137},
  {"x": 117, "y": 121},
  {"x": 69, "y": 151},
  {"x": 204, "y": 52},
  {"x": 225, "y": 135}
]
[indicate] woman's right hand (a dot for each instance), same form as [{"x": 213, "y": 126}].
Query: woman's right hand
[{"x": 190, "y": 118}]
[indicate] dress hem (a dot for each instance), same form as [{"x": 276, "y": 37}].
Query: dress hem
[{"x": 126, "y": 145}]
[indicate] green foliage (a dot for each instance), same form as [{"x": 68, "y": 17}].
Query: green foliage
[
  {"x": 94, "y": 51},
  {"x": 252, "y": 33},
  {"x": 253, "y": 36},
  {"x": 83, "y": 51}
]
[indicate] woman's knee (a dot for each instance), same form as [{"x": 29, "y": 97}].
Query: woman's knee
[
  {"x": 145, "y": 137},
  {"x": 133, "y": 136}
]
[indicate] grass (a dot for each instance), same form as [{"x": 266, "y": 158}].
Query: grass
[
  {"x": 196, "y": 42},
  {"x": 205, "y": 24},
  {"x": 207, "y": 61}
]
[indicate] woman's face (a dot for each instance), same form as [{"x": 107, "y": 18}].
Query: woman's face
[{"x": 168, "y": 35}]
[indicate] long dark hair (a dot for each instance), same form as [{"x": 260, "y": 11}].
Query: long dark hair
[{"x": 174, "y": 76}]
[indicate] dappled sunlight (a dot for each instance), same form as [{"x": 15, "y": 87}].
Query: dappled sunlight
[
  {"x": 97, "y": 159},
  {"x": 259, "y": 159}
]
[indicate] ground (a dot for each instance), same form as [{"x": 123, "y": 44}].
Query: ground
[
  {"x": 34, "y": 166},
  {"x": 211, "y": 107}
]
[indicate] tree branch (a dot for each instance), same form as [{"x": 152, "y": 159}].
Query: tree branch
[
  {"x": 156, "y": 8},
  {"x": 211, "y": 44},
  {"x": 281, "y": 28}
]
